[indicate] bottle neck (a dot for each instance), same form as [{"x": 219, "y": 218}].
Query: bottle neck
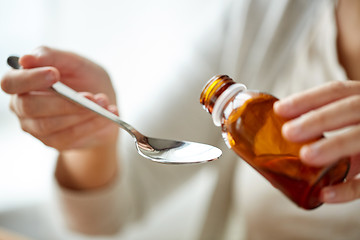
[{"x": 216, "y": 94}]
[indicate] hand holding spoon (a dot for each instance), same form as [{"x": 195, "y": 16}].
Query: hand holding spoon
[{"x": 155, "y": 149}]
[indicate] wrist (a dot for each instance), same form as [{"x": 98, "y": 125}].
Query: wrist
[{"x": 86, "y": 169}]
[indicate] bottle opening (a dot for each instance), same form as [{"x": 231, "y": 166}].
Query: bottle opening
[
  {"x": 223, "y": 100},
  {"x": 213, "y": 88},
  {"x": 217, "y": 91}
]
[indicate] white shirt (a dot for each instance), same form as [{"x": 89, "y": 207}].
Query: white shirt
[{"x": 279, "y": 46}]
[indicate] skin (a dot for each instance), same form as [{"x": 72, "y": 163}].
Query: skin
[
  {"x": 86, "y": 142},
  {"x": 333, "y": 106}
]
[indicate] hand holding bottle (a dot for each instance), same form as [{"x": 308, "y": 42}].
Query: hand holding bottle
[
  {"x": 333, "y": 106},
  {"x": 253, "y": 131}
]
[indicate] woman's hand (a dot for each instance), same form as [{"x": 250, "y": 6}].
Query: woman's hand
[
  {"x": 86, "y": 142},
  {"x": 52, "y": 119},
  {"x": 333, "y": 106}
]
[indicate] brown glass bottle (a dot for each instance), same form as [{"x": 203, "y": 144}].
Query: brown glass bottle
[{"x": 253, "y": 131}]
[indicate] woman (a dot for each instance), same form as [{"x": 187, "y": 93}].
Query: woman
[{"x": 281, "y": 47}]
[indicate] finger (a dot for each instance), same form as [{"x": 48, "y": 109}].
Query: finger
[
  {"x": 114, "y": 109},
  {"x": 108, "y": 132},
  {"x": 46, "y": 56},
  {"x": 354, "y": 166},
  {"x": 300, "y": 103},
  {"x": 83, "y": 134},
  {"x": 341, "y": 193},
  {"x": 102, "y": 99},
  {"x": 336, "y": 115},
  {"x": 26, "y": 80},
  {"x": 328, "y": 150},
  {"x": 42, "y": 127},
  {"x": 44, "y": 104}
]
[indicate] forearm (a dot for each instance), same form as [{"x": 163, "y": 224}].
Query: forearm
[
  {"x": 87, "y": 169},
  {"x": 348, "y": 41}
]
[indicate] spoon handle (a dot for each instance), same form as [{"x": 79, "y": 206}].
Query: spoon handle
[{"x": 74, "y": 96}]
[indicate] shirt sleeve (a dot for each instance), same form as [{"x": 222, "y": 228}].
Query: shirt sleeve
[{"x": 97, "y": 212}]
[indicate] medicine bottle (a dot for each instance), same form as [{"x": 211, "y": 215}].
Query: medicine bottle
[{"x": 253, "y": 131}]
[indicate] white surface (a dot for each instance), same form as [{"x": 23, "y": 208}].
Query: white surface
[{"x": 25, "y": 164}]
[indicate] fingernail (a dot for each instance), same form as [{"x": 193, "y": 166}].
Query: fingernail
[
  {"x": 291, "y": 131},
  {"x": 311, "y": 154},
  {"x": 50, "y": 77},
  {"x": 307, "y": 153},
  {"x": 276, "y": 106},
  {"x": 100, "y": 101},
  {"x": 281, "y": 107},
  {"x": 328, "y": 195},
  {"x": 285, "y": 130},
  {"x": 113, "y": 109}
]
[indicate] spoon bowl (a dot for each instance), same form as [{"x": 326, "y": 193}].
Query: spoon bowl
[
  {"x": 158, "y": 150},
  {"x": 178, "y": 152}
]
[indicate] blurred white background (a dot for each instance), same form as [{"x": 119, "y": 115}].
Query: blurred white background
[{"x": 135, "y": 40}]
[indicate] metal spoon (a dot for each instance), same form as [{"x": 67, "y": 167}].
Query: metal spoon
[{"x": 155, "y": 149}]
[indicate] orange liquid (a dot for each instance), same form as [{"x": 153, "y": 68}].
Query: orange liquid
[{"x": 253, "y": 131}]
